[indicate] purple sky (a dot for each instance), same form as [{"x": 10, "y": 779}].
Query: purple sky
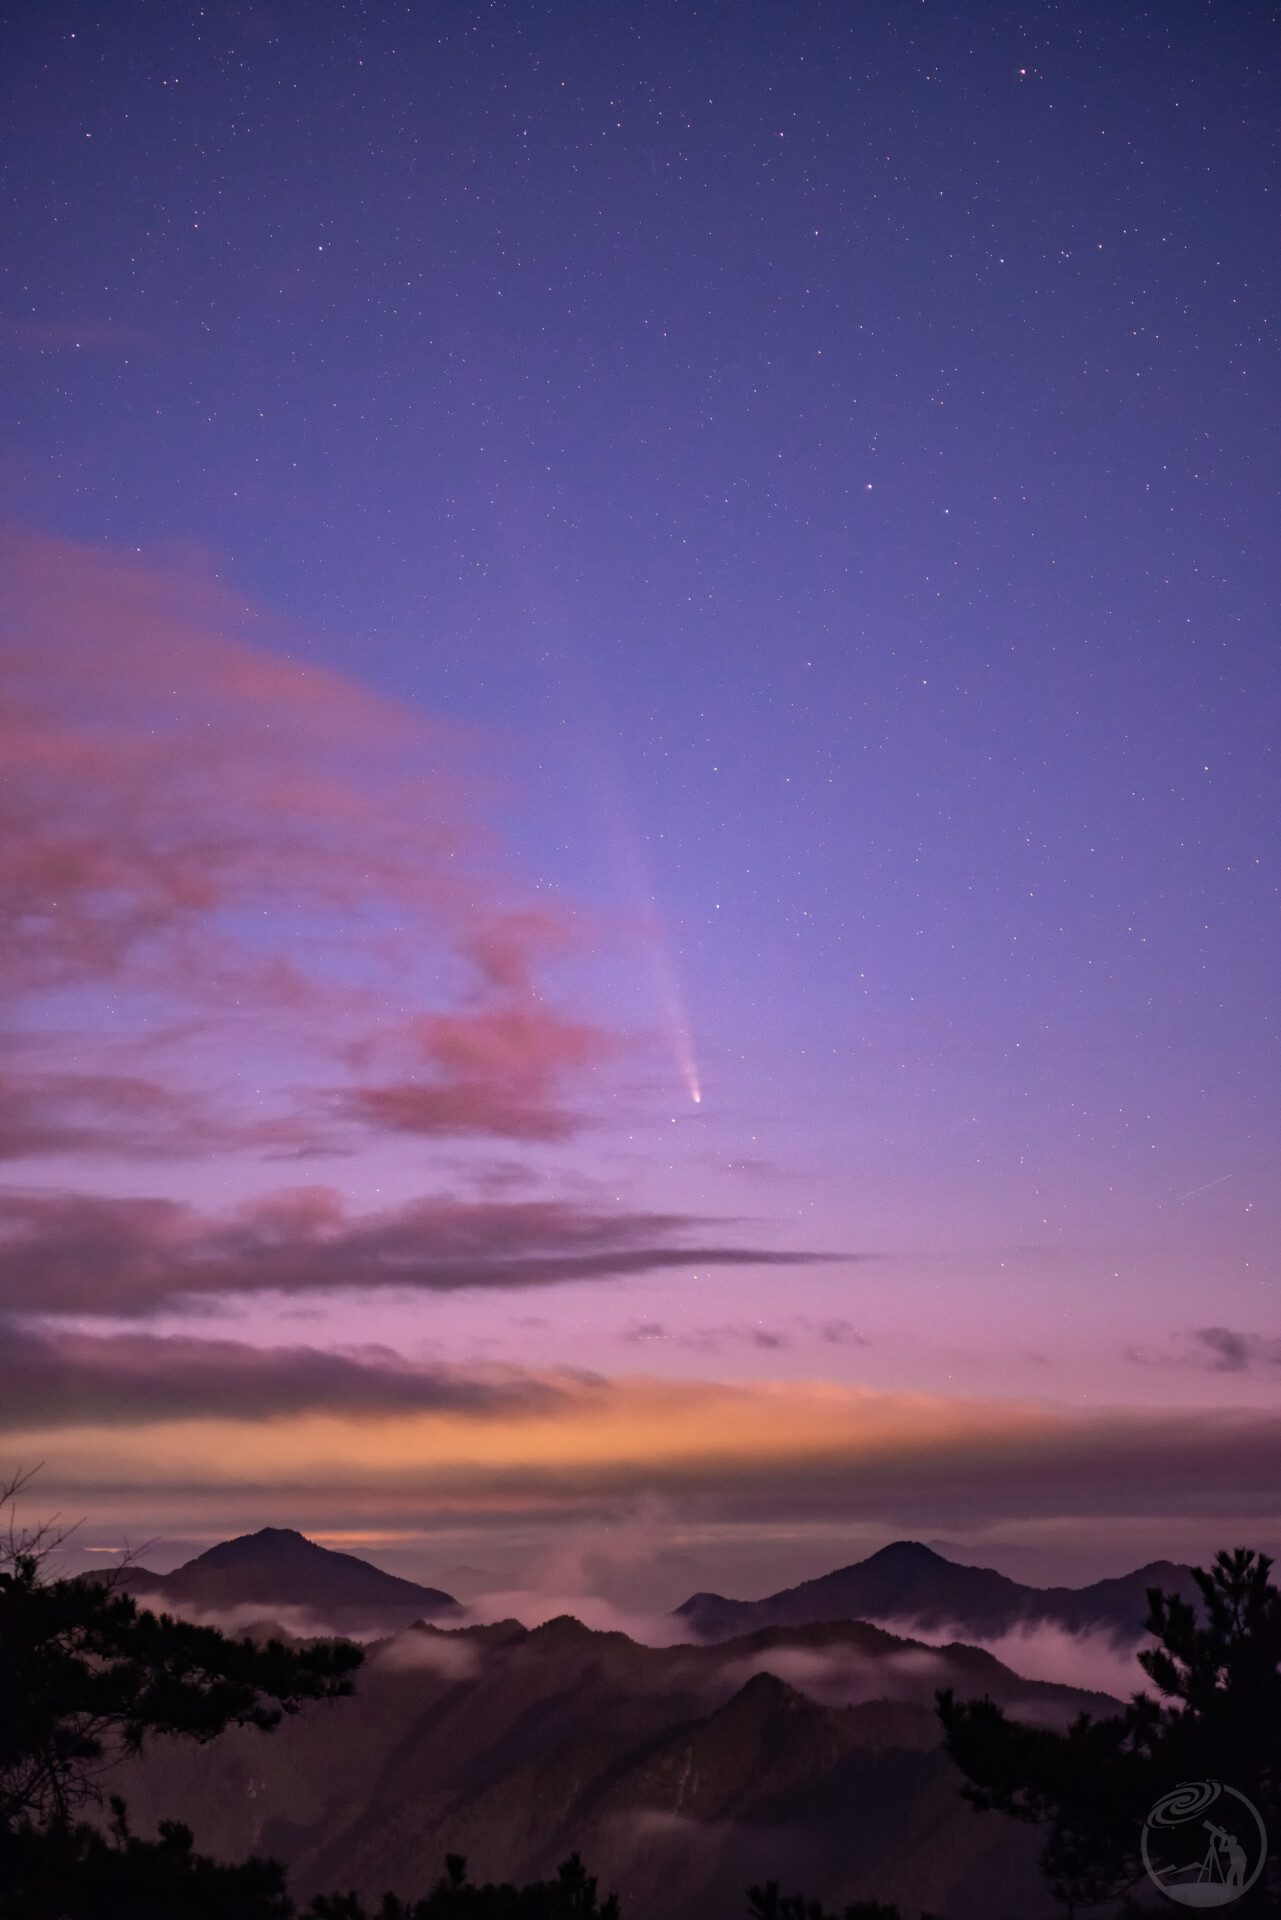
[{"x": 563, "y": 558}]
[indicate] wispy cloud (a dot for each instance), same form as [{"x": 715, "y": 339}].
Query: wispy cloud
[
  {"x": 490, "y": 1072},
  {"x": 44, "y": 1113},
  {"x": 715, "y": 1339},
  {"x": 211, "y": 850}
]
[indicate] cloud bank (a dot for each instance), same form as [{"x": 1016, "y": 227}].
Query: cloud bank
[{"x": 574, "y": 1447}]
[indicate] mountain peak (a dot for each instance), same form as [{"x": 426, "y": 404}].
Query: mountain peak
[
  {"x": 909, "y": 1582},
  {"x": 906, "y": 1553},
  {"x": 247, "y": 1549},
  {"x": 278, "y": 1567}
]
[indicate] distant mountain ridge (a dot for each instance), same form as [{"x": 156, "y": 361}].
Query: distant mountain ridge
[
  {"x": 278, "y": 1569},
  {"x": 908, "y": 1582},
  {"x": 804, "y": 1749},
  {"x": 681, "y": 1773}
]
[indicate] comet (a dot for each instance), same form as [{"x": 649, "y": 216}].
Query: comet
[
  {"x": 671, "y": 1001},
  {"x": 637, "y": 885}
]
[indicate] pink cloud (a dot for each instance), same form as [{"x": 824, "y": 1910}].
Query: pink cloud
[
  {"x": 248, "y": 852},
  {"x": 50, "y": 1113},
  {"x": 493, "y": 1071}
]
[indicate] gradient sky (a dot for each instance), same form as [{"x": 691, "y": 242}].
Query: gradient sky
[{"x": 639, "y": 780}]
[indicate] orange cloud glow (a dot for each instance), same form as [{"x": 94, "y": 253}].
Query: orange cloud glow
[{"x": 580, "y": 1444}]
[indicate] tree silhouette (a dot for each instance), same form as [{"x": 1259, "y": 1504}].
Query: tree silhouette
[
  {"x": 767, "y": 1903},
  {"x": 70, "y": 1870},
  {"x": 570, "y": 1896},
  {"x": 1092, "y": 1787},
  {"x": 86, "y": 1679}
]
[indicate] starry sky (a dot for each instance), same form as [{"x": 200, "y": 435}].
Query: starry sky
[{"x": 640, "y": 689}]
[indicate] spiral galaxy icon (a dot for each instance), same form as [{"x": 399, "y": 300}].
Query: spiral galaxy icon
[{"x": 1204, "y": 1844}]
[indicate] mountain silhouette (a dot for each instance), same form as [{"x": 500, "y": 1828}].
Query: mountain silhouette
[
  {"x": 910, "y": 1583},
  {"x": 280, "y": 1570}
]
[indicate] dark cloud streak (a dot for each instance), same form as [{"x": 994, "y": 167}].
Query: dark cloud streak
[
  {"x": 1214, "y": 1350},
  {"x": 58, "y": 1379},
  {"x": 78, "y": 1253}
]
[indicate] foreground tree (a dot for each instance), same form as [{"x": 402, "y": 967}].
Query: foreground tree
[
  {"x": 1093, "y": 1786},
  {"x": 86, "y": 1679},
  {"x": 570, "y": 1896},
  {"x": 767, "y": 1903},
  {"x": 71, "y": 1870}
]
